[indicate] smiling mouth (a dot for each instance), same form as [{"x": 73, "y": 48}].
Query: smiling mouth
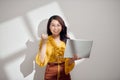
[{"x": 55, "y": 31}]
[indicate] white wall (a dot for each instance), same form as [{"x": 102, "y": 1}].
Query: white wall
[{"x": 21, "y": 23}]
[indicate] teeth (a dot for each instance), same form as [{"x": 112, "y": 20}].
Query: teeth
[{"x": 55, "y": 31}]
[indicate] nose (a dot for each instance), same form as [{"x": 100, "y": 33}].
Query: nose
[{"x": 55, "y": 27}]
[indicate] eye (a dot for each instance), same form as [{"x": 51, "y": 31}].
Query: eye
[
  {"x": 52, "y": 25},
  {"x": 58, "y": 25}
]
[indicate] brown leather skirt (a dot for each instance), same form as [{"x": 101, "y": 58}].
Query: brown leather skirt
[{"x": 55, "y": 71}]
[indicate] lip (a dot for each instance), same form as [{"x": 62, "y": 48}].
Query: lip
[{"x": 55, "y": 31}]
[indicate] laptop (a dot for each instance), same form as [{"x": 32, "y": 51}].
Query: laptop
[{"x": 80, "y": 47}]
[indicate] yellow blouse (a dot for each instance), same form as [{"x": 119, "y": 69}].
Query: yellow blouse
[{"x": 54, "y": 53}]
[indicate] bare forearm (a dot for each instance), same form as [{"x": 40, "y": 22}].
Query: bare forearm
[{"x": 44, "y": 38}]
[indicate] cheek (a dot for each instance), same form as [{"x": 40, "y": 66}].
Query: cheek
[
  {"x": 60, "y": 29},
  {"x": 51, "y": 28}
]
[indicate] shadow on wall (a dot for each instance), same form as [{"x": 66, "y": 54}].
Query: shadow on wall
[
  {"x": 27, "y": 67},
  {"x": 10, "y": 6},
  {"x": 3, "y": 74},
  {"x": 7, "y": 60}
]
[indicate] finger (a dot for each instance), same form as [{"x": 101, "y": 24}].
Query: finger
[
  {"x": 78, "y": 58},
  {"x": 44, "y": 36}
]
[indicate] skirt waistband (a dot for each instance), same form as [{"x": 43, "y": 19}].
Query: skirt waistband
[{"x": 55, "y": 63}]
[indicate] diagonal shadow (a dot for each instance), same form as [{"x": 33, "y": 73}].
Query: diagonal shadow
[
  {"x": 7, "y": 60},
  {"x": 3, "y": 75},
  {"x": 39, "y": 74},
  {"x": 27, "y": 66},
  {"x": 10, "y": 11}
]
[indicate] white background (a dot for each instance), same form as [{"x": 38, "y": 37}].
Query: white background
[{"x": 21, "y": 22}]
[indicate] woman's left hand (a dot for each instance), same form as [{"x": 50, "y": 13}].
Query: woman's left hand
[{"x": 72, "y": 60}]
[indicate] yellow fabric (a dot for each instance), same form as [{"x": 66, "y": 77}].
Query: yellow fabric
[{"x": 54, "y": 53}]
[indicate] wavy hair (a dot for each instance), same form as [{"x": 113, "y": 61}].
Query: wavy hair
[{"x": 63, "y": 33}]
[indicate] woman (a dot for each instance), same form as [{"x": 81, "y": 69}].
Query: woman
[{"x": 51, "y": 51}]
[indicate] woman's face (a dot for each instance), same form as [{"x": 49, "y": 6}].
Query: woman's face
[{"x": 55, "y": 27}]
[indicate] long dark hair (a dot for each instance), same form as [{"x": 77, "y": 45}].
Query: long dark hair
[{"x": 63, "y": 33}]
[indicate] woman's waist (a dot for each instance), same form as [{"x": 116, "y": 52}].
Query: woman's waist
[
  {"x": 56, "y": 60},
  {"x": 55, "y": 63}
]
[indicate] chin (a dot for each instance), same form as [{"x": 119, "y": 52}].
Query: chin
[{"x": 56, "y": 34}]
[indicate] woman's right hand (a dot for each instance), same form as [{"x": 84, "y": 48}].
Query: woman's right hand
[{"x": 44, "y": 37}]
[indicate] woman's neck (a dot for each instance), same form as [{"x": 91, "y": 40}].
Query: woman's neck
[{"x": 56, "y": 37}]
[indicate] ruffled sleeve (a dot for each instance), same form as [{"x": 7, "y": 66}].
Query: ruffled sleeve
[
  {"x": 37, "y": 59},
  {"x": 68, "y": 67},
  {"x": 39, "y": 62}
]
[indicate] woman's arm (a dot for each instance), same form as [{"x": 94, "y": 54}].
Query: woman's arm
[
  {"x": 42, "y": 52},
  {"x": 72, "y": 60}
]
